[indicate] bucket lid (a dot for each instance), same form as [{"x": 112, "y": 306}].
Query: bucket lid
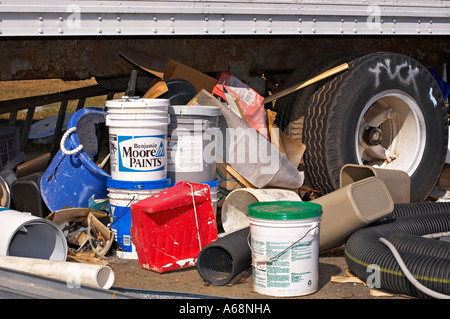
[
  {"x": 284, "y": 210},
  {"x": 157, "y": 184},
  {"x": 46, "y": 127},
  {"x": 138, "y": 116},
  {"x": 213, "y": 183},
  {"x": 204, "y": 110},
  {"x": 136, "y": 102}
]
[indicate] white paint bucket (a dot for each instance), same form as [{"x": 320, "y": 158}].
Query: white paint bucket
[
  {"x": 137, "y": 105},
  {"x": 25, "y": 235},
  {"x": 234, "y": 208},
  {"x": 214, "y": 190},
  {"x": 192, "y": 143},
  {"x": 123, "y": 194},
  {"x": 285, "y": 247},
  {"x": 138, "y": 139}
]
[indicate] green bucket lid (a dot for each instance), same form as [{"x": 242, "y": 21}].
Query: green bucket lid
[{"x": 284, "y": 210}]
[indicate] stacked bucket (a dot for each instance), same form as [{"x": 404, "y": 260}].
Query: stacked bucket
[
  {"x": 138, "y": 131},
  {"x": 193, "y": 134},
  {"x": 154, "y": 145}
]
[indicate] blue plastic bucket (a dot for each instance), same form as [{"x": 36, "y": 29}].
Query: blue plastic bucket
[
  {"x": 122, "y": 194},
  {"x": 214, "y": 190},
  {"x": 72, "y": 177}
]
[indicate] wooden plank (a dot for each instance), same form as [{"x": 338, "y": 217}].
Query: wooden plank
[
  {"x": 12, "y": 118},
  {"x": 34, "y": 165},
  {"x": 81, "y": 103},
  {"x": 158, "y": 89},
  {"x": 110, "y": 95},
  {"x": 297, "y": 87},
  {"x": 29, "y": 102},
  {"x": 26, "y": 129},
  {"x": 57, "y": 133}
]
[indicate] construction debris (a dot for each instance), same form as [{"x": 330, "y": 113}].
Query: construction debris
[{"x": 255, "y": 207}]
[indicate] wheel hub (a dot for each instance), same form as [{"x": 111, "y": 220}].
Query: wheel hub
[
  {"x": 372, "y": 136},
  {"x": 390, "y": 132}
]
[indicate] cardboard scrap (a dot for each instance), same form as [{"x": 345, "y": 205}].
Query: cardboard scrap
[
  {"x": 351, "y": 278},
  {"x": 346, "y": 279},
  {"x": 157, "y": 89},
  {"x": 288, "y": 146},
  {"x": 205, "y": 98},
  {"x": 73, "y": 220},
  {"x": 227, "y": 182},
  {"x": 166, "y": 68}
]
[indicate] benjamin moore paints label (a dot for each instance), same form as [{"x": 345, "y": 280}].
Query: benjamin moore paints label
[{"x": 139, "y": 153}]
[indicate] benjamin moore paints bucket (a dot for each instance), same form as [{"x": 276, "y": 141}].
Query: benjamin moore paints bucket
[
  {"x": 285, "y": 247},
  {"x": 122, "y": 194},
  {"x": 138, "y": 138},
  {"x": 214, "y": 190},
  {"x": 137, "y": 105},
  {"x": 192, "y": 143}
]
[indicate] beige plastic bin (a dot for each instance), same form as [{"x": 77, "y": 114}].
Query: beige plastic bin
[
  {"x": 350, "y": 208},
  {"x": 397, "y": 182}
]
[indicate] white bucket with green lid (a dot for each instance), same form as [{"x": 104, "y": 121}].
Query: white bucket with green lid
[{"x": 285, "y": 247}]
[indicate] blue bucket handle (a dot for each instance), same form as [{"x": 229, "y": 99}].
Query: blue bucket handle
[{"x": 88, "y": 163}]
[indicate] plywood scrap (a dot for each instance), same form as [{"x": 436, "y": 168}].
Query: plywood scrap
[
  {"x": 239, "y": 177},
  {"x": 34, "y": 165},
  {"x": 156, "y": 90},
  {"x": 205, "y": 98},
  {"x": 348, "y": 278},
  {"x": 292, "y": 149}
]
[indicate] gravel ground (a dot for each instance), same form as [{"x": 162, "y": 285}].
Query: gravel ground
[{"x": 129, "y": 274}]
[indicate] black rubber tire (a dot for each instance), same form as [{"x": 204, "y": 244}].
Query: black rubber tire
[
  {"x": 334, "y": 109},
  {"x": 291, "y": 109}
]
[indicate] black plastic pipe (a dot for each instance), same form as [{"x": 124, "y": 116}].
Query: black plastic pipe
[
  {"x": 403, "y": 210},
  {"x": 427, "y": 259},
  {"x": 222, "y": 260}
]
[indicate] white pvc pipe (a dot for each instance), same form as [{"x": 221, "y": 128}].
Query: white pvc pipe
[
  {"x": 73, "y": 273},
  {"x": 25, "y": 235}
]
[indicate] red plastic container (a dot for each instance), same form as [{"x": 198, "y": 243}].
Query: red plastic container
[{"x": 169, "y": 231}]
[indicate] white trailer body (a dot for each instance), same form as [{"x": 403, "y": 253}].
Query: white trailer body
[
  {"x": 143, "y": 18},
  {"x": 392, "y": 95}
]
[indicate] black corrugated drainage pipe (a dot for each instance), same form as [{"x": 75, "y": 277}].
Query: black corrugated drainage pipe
[
  {"x": 222, "y": 260},
  {"x": 428, "y": 260},
  {"x": 421, "y": 208}
]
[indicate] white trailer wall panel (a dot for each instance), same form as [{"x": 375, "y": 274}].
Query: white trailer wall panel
[{"x": 138, "y": 18}]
